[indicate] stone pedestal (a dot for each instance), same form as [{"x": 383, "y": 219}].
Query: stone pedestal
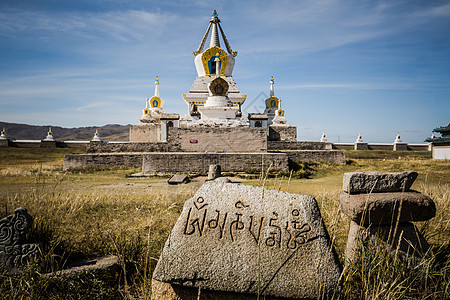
[
  {"x": 361, "y": 146},
  {"x": 400, "y": 147},
  {"x": 48, "y": 144},
  {"x": 405, "y": 237},
  {"x": 381, "y": 206}
]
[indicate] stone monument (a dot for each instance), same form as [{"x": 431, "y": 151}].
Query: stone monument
[
  {"x": 234, "y": 241},
  {"x": 14, "y": 251},
  {"x": 381, "y": 205}
]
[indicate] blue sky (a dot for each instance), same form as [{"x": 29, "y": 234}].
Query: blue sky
[{"x": 343, "y": 67}]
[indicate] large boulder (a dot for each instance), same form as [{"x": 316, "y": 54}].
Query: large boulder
[
  {"x": 375, "y": 182},
  {"x": 245, "y": 240}
]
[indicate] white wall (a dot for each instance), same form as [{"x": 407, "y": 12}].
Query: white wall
[{"x": 441, "y": 152}]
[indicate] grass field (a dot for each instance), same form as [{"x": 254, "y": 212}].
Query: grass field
[{"x": 95, "y": 213}]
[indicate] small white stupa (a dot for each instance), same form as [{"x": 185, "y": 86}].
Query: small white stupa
[
  {"x": 279, "y": 119},
  {"x": 96, "y": 137},
  {"x": 153, "y": 107},
  {"x": 397, "y": 138},
  {"x": 3, "y": 135},
  {"x": 359, "y": 139},
  {"x": 49, "y": 136},
  {"x": 323, "y": 138}
]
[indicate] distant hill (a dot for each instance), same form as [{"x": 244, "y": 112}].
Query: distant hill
[{"x": 110, "y": 132}]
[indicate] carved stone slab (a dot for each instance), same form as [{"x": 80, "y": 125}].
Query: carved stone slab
[
  {"x": 365, "y": 182},
  {"x": 244, "y": 239},
  {"x": 14, "y": 252}
]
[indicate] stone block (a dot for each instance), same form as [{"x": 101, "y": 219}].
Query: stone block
[
  {"x": 400, "y": 147},
  {"x": 214, "y": 172},
  {"x": 361, "y": 146},
  {"x": 14, "y": 251},
  {"x": 4, "y": 143},
  {"x": 178, "y": 178},
  {"x": 365, "y": 182},
  {"x": 385, "y": 208},
  {"x": 236, "y": 238}
]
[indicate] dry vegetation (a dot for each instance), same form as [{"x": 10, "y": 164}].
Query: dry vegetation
[{"x": 95, "y": 213}]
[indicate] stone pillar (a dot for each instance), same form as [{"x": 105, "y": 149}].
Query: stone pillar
[
  {"x": 381, "y": 206},
  {"x": 214, "y": 171},
  {"x": 163, "y": 131}
]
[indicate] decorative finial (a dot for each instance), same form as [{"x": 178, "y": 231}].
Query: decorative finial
[
  {"x": 157, "y": 80},
  {"x": 271, "y": 80},
  {"x": 215, "y": 14}
]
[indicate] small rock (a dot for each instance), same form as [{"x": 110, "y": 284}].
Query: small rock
[
  {"x": 97, "y": 265},
  {"x": 375, "y": 182},
  {"x": 177, "y": 179},
  {"x": 223, "y": 180},
  {"x": 383, "y": 208}
]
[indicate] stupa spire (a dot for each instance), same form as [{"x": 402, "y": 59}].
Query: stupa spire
[
  {"x": 157, "y": 86},
  {"x": 272, "y": 92},
  {"x": 214, "y": 32},
  {"x": 214, "y": 23}
]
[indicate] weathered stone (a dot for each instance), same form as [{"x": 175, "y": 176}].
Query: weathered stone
[
  {"x": 385, "y": 208},
  {"x": 244, "y": 239},
  {"x": 223, "y": 180},
  {"x": 94, "y": 265},
  {"x": 177, "y": 179},
  {"x": 214, "y": 172},
  {"x": 408, "y": 240},
  {"x": 14, "y": 252},
  {"x": 365, "y": 182}
]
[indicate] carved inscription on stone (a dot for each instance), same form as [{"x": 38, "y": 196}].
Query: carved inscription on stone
[
  {"x": 238, "y": 238},
  {"x": 14, "y": 252},
  {"x": 236, "y": 224}
]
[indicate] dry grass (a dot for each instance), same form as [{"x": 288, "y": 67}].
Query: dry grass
[{"x": 107, "y": 212}]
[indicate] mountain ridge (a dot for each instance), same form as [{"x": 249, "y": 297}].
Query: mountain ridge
[{"x": 109, "y": 132}]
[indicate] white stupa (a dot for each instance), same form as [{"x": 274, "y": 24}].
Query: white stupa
[
  {"x": 210, "y": 98},
  {"x": 359, "y": 139},
  {"x": 323, "y": 138},
  {"x": 279, "y": 119},
  {"x": 397, "y": 138},
  {"x": 153, "y": 107},
  {"x": 96, "y": 137},
  {"x": 3, "y": 135},
  {"x": 49, "y": 136}
]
